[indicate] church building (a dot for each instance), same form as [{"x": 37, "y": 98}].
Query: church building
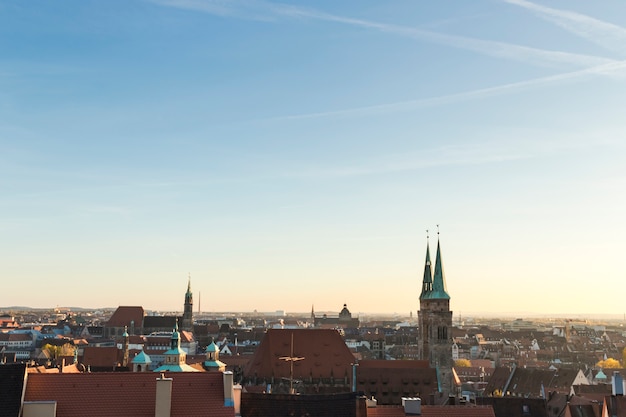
[{"x": 435, "y": 322}]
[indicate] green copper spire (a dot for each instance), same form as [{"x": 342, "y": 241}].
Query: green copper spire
[
  {"x": 427, "y": 283},
  {"x": 439, "y": 280}
]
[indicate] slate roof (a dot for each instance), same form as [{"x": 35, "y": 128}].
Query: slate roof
[
  {"x": 324, "y": 351},
  {"x": 124, "y": 315},
  {"x": 127, "y": 394},
  {"x": 12, "y": 380}
]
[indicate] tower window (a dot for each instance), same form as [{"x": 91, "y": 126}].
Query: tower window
[{"x": 442, "y": 333}]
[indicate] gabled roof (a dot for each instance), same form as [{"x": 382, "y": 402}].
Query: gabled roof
[
  {"x": 124, "y": 315},
  {"x": 101, "y": 357},
  {"x": 129, "y": 394},
  {"x": 12, "y": 383},
  {"x": 324, "y": 351}
]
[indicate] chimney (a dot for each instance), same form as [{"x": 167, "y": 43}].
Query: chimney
[
  {"x": 163, "y": 405},
  {"x": 412, "y": 406},
  {"x": 361, "y": 406},
  {"x": 229, "y": 394},
  {"x": 617, "y": 384}
]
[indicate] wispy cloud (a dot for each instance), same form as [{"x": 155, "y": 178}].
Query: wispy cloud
[
  {"x": 607, "y": 35},
  {"x": 613, "y": 69},
  {"x": 490, "y": 151},
  {"x": 261, "y": 10}
]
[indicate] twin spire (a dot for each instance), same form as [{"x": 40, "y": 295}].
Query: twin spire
[{"x": 434, "y": 287}]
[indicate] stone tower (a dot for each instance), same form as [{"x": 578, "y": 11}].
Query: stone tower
[
  {"x": 187, "y": 323},
  {"x": 435, "y": 322}
]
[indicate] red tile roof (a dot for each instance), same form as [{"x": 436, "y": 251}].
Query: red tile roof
[
  {"x": 126, "y": 394},
  {"x": 101, "y": 357},
  {"x": 324, "y": 352},
  {"x": 124, "y": 315}
]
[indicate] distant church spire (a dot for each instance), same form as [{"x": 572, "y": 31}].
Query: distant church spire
[
  {"x": 427, "y": 283},
  {"x": 187, "y": 322}
]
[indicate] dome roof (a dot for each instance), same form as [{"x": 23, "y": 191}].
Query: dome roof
[
  {"x": 141, "y": 358},
  {"x": 212, "y": 348}
]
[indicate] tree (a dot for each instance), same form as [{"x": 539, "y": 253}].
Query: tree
[
  {"x": 609, "y": 363},
  {"x": 54, "y": 351},
  {"x": 462, "y": 363}
]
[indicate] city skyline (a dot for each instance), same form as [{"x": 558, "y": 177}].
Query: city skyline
[{"x": 289, "y": 155}]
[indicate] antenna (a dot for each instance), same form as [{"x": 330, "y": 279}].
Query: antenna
[{"x": 291, "y": 359}]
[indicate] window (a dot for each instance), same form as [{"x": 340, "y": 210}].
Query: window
[{"x": 442, "y": 333}]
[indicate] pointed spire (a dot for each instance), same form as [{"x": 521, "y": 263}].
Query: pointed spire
[
  {"x": 189, "y": 284},
  {"x": 427, "y": 283},
  {"x": 439, "y": 279}
]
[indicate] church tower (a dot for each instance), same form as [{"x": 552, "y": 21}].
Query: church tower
[
  {"x": 435, "y": 322},
  {"x": 187, "y": 323}
]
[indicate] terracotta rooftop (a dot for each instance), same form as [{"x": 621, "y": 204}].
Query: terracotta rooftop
[
  {"x": 126, "y": 394},
  {"x": 124, "y": 315},
  {"x": 324, "y": 351},
  {"x": 101, "y": 357}
]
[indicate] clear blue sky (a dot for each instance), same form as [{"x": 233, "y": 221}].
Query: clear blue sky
[{"x": 290, "y": 154}]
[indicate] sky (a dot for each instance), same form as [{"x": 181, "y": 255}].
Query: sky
[{"x": 285, "y": 155}]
